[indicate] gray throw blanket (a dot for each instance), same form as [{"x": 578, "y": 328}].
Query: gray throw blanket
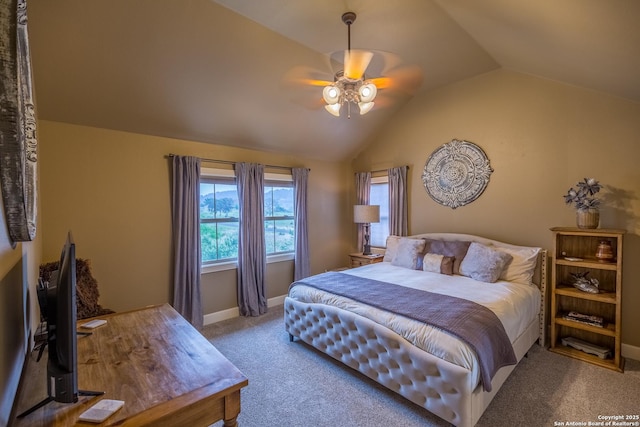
[{"x": 473, "y": 323}]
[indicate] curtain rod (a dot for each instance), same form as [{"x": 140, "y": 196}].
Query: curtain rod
[
  {"x": 229, "y": 162},
  {"x": 381, "y": 170}
]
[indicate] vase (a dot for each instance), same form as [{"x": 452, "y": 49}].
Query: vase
[
  {"x": 604, "y": 253},
  {"x": 588, "y": 218}
]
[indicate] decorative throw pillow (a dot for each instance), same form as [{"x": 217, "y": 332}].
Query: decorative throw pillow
[
  {"x": 392, "y": 247},
  {"x": 483, "y": 263},
  {"x": 457, "y": 250},
  {"x": 436, "y": 263},
  {"x": 408, "y": 252}
]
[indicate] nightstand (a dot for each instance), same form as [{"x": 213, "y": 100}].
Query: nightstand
[{"x": 357, "y": 259}]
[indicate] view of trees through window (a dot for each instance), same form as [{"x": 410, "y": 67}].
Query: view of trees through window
[
  {"x": 219, "y": 224},
  {"x": 278, "y": 214}
]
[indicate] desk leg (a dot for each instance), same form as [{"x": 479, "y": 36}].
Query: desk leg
[
  {"x": 231, "y": 423},
  {"x": 231, "y": 409}
]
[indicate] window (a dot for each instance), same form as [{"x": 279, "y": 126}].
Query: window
[
  {"x": 278, "y": 217},
  {"x": 379, "y": 195},
  {"x": 219, "y": 215},
  {"x": 218, "y": 219}
]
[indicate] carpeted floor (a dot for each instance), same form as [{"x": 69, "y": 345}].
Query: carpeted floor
[{"x": 291, "y": 384}]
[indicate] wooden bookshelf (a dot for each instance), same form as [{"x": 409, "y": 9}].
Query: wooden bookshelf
[{"x": 574, "y": 252}]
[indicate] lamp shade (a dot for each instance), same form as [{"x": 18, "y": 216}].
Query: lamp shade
[
  {"x": 365, "y": 107},
  {"x": 331, "y": 94},
  {"x": 366, "y": 214},
  {"x": 333, "y": 109},
  {"x": 367, "y": 92}
]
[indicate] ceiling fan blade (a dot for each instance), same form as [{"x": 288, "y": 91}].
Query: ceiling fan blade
[
  {"x": 407, "y": 79},
  {"x": 356, "y": 63},
  {"x": 306, "y": 76},
  {"x": 381, "y": 82},
  {"x": 300, "y": 85}
]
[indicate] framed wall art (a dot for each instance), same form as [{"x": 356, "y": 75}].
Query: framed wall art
[
  {"x": 18, "y": 143},
  {"x": 456, "y": 173}
]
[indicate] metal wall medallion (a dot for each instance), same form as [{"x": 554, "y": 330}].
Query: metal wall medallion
[
  {"x": 18, "y": 143},
  {"x": 456, "y": 173}
]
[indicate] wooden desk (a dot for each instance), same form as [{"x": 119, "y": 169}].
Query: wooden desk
[{"x": 167, "y": 373}]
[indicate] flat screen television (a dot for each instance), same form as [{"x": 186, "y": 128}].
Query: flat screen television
[
  {"x": 62, "y": 374},
  {"x": 58, "y": 306}
]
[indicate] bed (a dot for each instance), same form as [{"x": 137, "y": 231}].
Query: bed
[{"x": 452, "y": 373}]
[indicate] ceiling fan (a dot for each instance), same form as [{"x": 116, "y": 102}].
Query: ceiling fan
[{"x": 350, "y": 85}]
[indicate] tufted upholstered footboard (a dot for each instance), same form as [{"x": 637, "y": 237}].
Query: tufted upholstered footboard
[{"x": 445, "y": 389}]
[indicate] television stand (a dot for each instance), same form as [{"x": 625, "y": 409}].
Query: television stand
[
  {"x": 164, "y": 370},
  {"x": 50, "y": 399}
]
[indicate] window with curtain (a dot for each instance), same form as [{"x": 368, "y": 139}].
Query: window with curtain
[
  {"x": 279, "y": 230},
  {"x": 219, "y": 223},
  {"x": 379, "y": 195},
  {"x": 218, "y": 219}
]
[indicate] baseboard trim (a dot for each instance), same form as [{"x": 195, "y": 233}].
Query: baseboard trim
[
  {"x": 230, "y": 313},
  {"x": 630, "y": 351}
]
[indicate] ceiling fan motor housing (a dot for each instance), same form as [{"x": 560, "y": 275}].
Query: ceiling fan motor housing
[{"x": 348, "y": 18}]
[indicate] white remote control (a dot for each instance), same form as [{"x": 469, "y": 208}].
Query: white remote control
[
  {"x": 93, "y": 323},
  {"x": 101, "y": 411}
]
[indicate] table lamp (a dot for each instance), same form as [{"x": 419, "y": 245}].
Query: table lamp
[{"x": 366, "y": 214}]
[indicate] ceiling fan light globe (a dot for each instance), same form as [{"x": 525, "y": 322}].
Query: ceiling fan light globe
[
  {"x": 333, "y": 109},
  {"x": 331, "y": 94},
  {"x": 365, "y": 107},
  {"x": 367, "y": 92}
]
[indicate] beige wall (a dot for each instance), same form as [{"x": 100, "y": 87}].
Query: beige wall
[
  {"x": 18, "y": 312},
  {"x": 541, "y": 137},
  {"x": 111, "y": 189}
]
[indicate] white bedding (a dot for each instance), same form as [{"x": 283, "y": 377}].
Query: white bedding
[{"x": 515, "y": 304}]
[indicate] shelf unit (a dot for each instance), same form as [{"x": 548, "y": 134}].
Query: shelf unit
[{"x": 582, "y": 244}]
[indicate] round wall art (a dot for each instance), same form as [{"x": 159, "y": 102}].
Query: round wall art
[
  {"x": 456, "y": 173},
  {"x": 18, "y": 143}
]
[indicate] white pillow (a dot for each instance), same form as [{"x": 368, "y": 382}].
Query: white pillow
[
  {"x": 483, "y": 263},
  {"x": 408, "y": 252},
  {"x": 522, "y": 266}
]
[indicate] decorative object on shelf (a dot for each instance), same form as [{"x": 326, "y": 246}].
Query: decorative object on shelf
[
  {"x": 587, "y": 206},
  {"x": 587, "y": 347},
  {"x": 604, "y": 253},
  {"x": 366, "y": 214},
  {"x": 18, "y": 143},
  {"x": 456, "y": 173},
  {"x": 582, "y": 282},
  {"x": 587, "y": 319}
]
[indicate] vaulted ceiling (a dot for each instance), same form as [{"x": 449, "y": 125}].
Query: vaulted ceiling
[{"x": 220, "y": 71}]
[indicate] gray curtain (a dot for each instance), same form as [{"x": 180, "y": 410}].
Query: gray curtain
[
  {"x": 185, "y": 216},
  {"x": 398, "y": 213},
  {"x": 252, "y": 258},
  {"x": 301, "y": 267},
  {"x": 363, "y": 190}
]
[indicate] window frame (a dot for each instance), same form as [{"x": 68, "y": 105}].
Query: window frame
[
  {"x": 383, "y": 179},
  {"x": 232, "y": 263},
  {"x": 281, "y": 181}
]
